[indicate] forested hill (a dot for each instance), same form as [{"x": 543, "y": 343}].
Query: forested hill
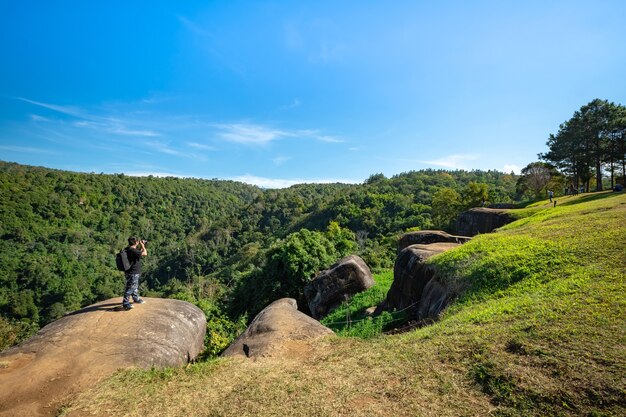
[{"x": 209, "y": 240}]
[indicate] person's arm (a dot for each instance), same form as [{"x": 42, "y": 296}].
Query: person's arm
[{"x": 144, "y": 252}]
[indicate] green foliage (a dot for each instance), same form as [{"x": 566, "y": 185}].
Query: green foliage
[
  {"x": 547, "y": 341},
  {"x": 446, "y": 205},
  {"x": 59, "y": 232},
  {"x": 475, "y": 194},
  {"x": 351, "y": 320},
  {"x": 291, "y": 263},
  {"x": 593, "y": 139}
]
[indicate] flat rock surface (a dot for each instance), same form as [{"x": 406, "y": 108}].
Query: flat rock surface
[
  {"x": 274, "y": 328},
  {"x": 426, "y": 237},
  {"x": 66, "y": 356},
  {"x": 481, "y": 220}
]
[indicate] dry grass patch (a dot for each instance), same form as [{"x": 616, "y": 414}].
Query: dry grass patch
[{"x": 540, "y": 331}]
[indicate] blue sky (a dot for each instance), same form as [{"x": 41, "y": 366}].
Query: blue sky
[{"x": 275, "y": 93}]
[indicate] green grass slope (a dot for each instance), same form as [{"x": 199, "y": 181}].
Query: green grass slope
[{"x": 538, "y": 330}]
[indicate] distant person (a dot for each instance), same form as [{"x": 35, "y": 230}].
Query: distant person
[
  {"x": 550, "y": 194},
  {"x": 136, "y": 250}
]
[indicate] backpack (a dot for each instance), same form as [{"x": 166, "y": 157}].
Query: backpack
[{"x": 121, "y": 260}]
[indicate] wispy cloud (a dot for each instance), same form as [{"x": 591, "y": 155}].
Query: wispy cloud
[
  {"x": 284, "y": 183},
  {"x": 279, "y": 160},
  {"x": 201, "y": 146},
  {"x": 327, "y": 138},
  {"x": 131, "y": 132},
  {"x": 168, "y": 150},
  {"x": 38, "y": 118},
  {"x": 249, "y": 134},
  {"x": 153, "y": 173},
  {"x": 25, "y": 149},
  {"x": 194, "y": 27},
  {"x": 104, "y": 123},
  {"x": 252, "y": 134},
  {"x": 452, "y": 161},
  {"x": 69, "y": 110}
]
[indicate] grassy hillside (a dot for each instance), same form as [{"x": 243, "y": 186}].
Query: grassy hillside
[
  {"x": 540, "y": 330},
  {"x": 211, "y": 241}
]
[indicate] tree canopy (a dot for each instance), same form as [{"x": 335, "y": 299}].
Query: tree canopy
[
  {"x": 591, "y": 141},
  {"x": 226, "y": 246}
]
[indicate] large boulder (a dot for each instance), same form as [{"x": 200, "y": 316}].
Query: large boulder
[
  {"x": 331, "y": 287},
  {"x": 481, "y": 220},
  {"x": 89, "y": 344},
  {"x": 411, "y": 280},
  {"x": 273, "y": 328},
  {"x": 426, "y": 237}
]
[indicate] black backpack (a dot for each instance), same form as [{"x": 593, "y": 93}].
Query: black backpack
[{"x": 121, "y": 260}]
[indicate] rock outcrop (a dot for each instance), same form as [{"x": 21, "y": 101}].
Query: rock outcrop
[
  {"x": 412, "y": 281},
  {"x": 426, "y": 237},
  {"x": 274, "y": 327},
  {"x": 89, "y": 344},
  {"x": 331, "y": 287},
  {"x": 481, "y": 220}
]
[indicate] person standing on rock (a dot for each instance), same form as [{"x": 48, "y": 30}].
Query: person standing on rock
[{"x": 136, "y": 250}]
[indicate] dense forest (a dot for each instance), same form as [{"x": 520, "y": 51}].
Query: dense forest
[{"x": 228, "y": 247}]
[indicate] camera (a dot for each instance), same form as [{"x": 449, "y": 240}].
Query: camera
[{"x": 145, "y": 242}]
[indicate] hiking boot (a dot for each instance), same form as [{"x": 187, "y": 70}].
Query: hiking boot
[
  {"x": 139, "y": 301},
  {"x": 127, "y": 307}
]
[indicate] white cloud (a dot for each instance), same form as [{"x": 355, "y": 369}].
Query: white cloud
[
  {"x": 252, "y": 134},
  {"x": 25, "y": 149},
  {"x": 511, "y": 167},
  {"x": 107, "y": 124},
  {"x": 201, "y": 146},
  {"x": 249, "y": 134},
  {"x": 326, "y": 138},
  {"x": 131, "y": 132},
  {"x": 452, "y": 161},
  {"x": 69, "y": 110},
  {"x": 284, "y": 183},
  {"x": 279, "y": 160},
  {"x": 38, "y": 118},
  {"x": 166, "y": 149},
  {"x": 153, "y": 173}
]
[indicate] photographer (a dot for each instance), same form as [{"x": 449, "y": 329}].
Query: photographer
[{"x": 136, "y": 250}]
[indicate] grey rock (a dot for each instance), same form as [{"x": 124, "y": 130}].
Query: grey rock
[
  {"x": 411, "y": 273},
  {"x": 482, "y": 220},
  {"x": 89, "y": 344},
  {"x": 331, "y": 287},
  {"x": 274, "y": 327},
  {"x": 426, "y": 237},
  {"x": 161, "y": 332}
]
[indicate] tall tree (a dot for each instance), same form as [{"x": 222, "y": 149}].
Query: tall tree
[{"x": 590, "y": 140}]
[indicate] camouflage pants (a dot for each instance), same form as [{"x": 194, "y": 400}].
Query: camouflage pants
[{"x": 132, "y": 288}]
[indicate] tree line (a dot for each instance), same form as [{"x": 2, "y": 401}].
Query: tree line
[
  {"x": 228, "y": 247},
  {"x": 590, "y": 144}
]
